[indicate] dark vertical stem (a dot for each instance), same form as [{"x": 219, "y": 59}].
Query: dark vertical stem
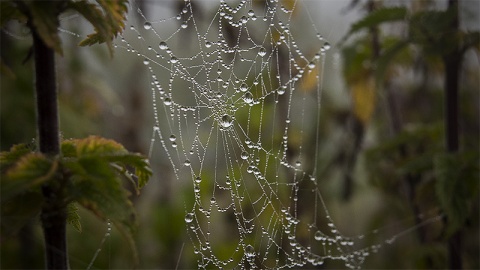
[
  {"x": 54, "y": 212},
  {"x": 452, "y": 62}
]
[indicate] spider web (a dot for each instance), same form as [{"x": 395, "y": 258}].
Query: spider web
[{"x": 236, "y": 105}]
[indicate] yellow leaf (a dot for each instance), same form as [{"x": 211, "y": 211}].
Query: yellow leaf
[{"x": 364, "y": 100}]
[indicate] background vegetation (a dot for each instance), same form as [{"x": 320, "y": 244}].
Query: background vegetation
[{"x": 391, "y": 164}]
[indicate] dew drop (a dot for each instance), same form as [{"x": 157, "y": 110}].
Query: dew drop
[
  {"x": 249, "y": 251},
  {"x": 147, "y": 25},
  {"x": 187, "y": 163},
  {"x": 311, "y": 65},
  {"x": 281, "y": 90},
  {"x": 226, "y": 121},
  {"x": 244, "y": 155},
  {"x": 173, "y": 60},
  {"x": 262, "y": 52},
  {"x": 174, "y": 144},
  {"x": 189, "y": 218},
  {"x": 251, "y": 13},
  {"x": 243, "y": 87},
  {"x": 184, "y": 25},
  {"x": 326, "y": 46},
  {"x": 172, "y": 138},
  {"x": 248, "y": 98},
  {"x": 163, "y": 45},
  {"x": 298, "y": 163},
  {"x": 167, "y": 101},
  {"x": 208, "y": 44},
  {"x": 318, "y": 236},
  {"x": 146, "y": 62}
]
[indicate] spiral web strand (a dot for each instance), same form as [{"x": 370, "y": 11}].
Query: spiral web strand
[{"x": 236, "y": 117}]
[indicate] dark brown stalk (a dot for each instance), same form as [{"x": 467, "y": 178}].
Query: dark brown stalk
[
  {"x": 54, "y": 211},
  {"x": 452, "y": 62}
]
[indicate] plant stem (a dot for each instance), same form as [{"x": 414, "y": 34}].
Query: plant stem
[
  {"x": 54, "y": 211},
  {"x": 452, "y": 62}
]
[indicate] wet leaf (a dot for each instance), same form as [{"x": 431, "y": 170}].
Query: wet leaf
[{"x": 29, "y": 172}]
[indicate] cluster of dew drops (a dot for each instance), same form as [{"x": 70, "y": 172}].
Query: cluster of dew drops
[{"x": 226, "y": 121}]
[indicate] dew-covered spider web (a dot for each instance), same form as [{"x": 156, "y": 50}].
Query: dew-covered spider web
[{"x": 237, "y": 100}]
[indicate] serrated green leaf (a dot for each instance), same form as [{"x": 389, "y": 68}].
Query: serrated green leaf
[
  {"x": 72, "y": 216},
  {"x": 111, "y": 152},
  {"x": 456, "y": 186},
  {"x": 9, "y": 158},
  {"x": 96, "y": 187},
  {"x": 108, "y": 21},
  {"x": 29, "y": 172}
]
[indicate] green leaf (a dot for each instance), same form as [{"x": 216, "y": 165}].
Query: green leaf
[
  {"x": 378, "y": 17},
  {"x": 72, "y": 216},
  {"x": 108, "y": 21},
  {"x": 96, "y": 167},
  {"x": 29, "y": 172},
  {"x": 44, "y": 16},
  {"x": 112, "y": 152},
  {"x": 7, "y": 159},
  {"x": 457, "y": 186}
]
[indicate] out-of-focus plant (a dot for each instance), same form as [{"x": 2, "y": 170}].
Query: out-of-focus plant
[
  {"x": 52, "y": 179},
  {"x": 430, "y": 166}
]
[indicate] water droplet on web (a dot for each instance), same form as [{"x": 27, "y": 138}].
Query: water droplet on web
[
  {"x": 189, "y": 218},
  {"x": 243, "y": 87},
  {"x": 187, "y": 163},
  {"x": 249, "y": 251},
  {"x": 198, "y": 180},
  {"x": 326, "y": 46},
  {"x": 163, "y": 45},
  {"x": 173, "y": 60},
  {"x": 184, "y": 10},
  {"x": 147, "y": 25},
  {"x": 174, "y": 144},
  {"x": 251, "y": 12},
  {"x": 208, "y": 44},
  {"x": 184, "y": 25},
  {"x": 226, "y": 121},
  {"x": 281, "y": 90},
  {"x": 244, "y": 155},
  {"x": 146, "y": 62},
  {"x": 262, "y": 52},
  {"x": 298, "y": 163},
  {"x": 318, "y": 236},
  {"x": 196, "y": 189},
  {"x": 311, "y": 65},
  {"x": 167, "y": 101},
  {"x": 248, "y": 98},
  {"x": 172, "y": 138}
]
